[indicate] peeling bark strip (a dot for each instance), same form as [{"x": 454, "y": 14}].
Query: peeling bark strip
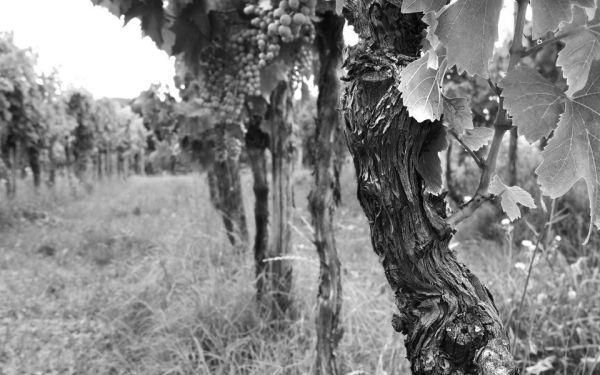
[
  {"x": 256, "y": 145},
  {"x": 322, "y": 199},
  {"x": 278, "y": 271},
  {"x": 448, "y": 316}
]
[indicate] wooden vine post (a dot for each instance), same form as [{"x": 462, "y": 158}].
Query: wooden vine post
[{"x": 322, "y": 198}]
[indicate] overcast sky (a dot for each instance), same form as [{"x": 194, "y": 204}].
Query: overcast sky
[
  {"x": 88, "y": 45},
  {"x": 91, "y": 49}
]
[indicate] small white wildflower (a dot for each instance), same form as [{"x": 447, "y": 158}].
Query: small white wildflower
[
  {"x": 557, "y": 238},
  {"x": 541, "y": 298},
  {"x": 520, "y": 266},
  {"x": 467, "y": 198},
  {"x": 505, "y": 222},
  {"x": 571, "y": 294},
  {"x": 526, "y": 243}
]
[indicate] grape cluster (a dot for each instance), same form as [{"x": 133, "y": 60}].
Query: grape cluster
[
  {"x": 290, "y": 21},
  {"x": 231, "y": 70}
]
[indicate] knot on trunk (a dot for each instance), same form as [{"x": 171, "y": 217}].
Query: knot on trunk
[
  {"x": 398, "y": 324},
  {"x": 462, "y": 338}
]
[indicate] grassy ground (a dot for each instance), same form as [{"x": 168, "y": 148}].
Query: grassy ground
[{"x": 138, "y": 278}]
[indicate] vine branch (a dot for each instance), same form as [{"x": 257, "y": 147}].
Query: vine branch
[
  {"x": 472, "y": 153},
  {"x": 501, "y": 125}
]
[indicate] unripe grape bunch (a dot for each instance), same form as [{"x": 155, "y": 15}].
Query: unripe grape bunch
[{"x": 233, "y": 72}]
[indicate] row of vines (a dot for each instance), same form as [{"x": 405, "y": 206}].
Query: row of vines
[{"x": 48, "y": 129}]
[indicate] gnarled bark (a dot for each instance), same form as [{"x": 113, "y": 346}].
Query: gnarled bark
[
  {"x": 322, "y": 198},
  {"x": 448, "y": 316},
  {"x": 257, "y": 143},
  {"x": 278, "y": 269}
]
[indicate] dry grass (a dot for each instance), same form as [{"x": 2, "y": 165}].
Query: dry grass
[{"x": 138, "y": 278}]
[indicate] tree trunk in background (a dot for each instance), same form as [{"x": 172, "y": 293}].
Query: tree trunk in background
[
  {"x": 14, "y": 157},
  {"x": 99, "y": 165},
  {"x": 109, "y": 163},
  {"x": 226, "y": 194},
  {"x": 278, "y": 270},
  {"x": 256, "y": 146},
  {"x": 449, "y": 318},
  {"x": 120, "y": 161},
  {"x": 512, "y": 157},
  {"x": 33, "y": 155},
  {"x": 322, "y": 198},
  {"x": 51, "y": 166},
  {"x": 126, "y": 166},
  {"x": 142, "y": 163}
]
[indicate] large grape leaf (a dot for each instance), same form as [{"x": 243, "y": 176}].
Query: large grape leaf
[
  {"x": 547, "y": 15},
  {"x": 534, "y": 103},
  {"x": 510, "y": 197},
  {"x": 469, "y": 29},
  {"x": 424, "y": 6},
  {"x": 582, "y": 48},
  {"x": 420, "y": 90},
  {"x": 573, "y": 153}
]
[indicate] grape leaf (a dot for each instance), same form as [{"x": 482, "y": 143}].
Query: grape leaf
[
  {"x": 430, "y": 165},
  {"x": 510, "y": 197},
  {"x": 573, "y": 153},
  {"x": 468, "y": 29},
  {"x": 457, "y": 114},
  {"x": 477, "y": 138},
  {"x": 271, "y": 75},
  {"x": 424, "y": 6},
  {"x": 581, "y": 49},
  {"x": 151, "y": 13},
  {"x": 547, "y": 15},
  {"x": 420, "y": 90},
  {"x": 534, "y": 103}
]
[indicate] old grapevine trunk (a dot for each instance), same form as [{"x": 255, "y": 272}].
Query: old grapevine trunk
[
  {"x": 448, "y": 316},
  {"x": 226, "y": 193},
  {"x": 322, "y": 197},
  {"x": 257, "y": 143},
  {"x": 278, "y": 270}
]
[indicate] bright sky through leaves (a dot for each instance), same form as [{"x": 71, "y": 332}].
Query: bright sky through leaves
[{"x": 87, "y": 45}]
